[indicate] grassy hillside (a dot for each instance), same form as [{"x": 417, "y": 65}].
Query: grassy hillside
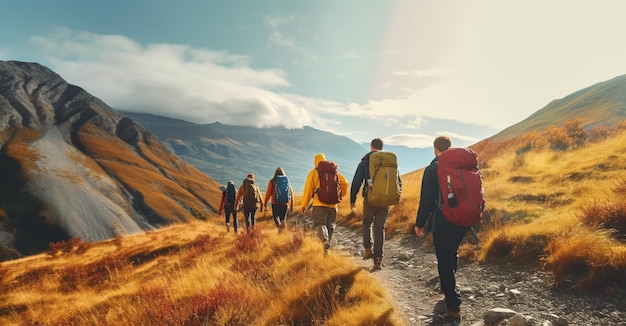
[
  {"x": 603, "y": 105},
  {"x": 557, "y": 199},
  {"x": 192, "y": 274}
]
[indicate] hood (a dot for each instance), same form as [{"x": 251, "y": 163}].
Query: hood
[{"x": 319, "y": 157}]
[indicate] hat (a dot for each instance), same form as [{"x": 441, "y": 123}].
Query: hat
[{"x": 251, "y": 176}]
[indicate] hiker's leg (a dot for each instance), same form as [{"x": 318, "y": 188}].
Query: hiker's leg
[
  {"x": 227, "y": 212},
  {"x": 252, "y": 218},
  {"x": 368, "y": 219},
  {"x": 279, "y": 212},
  {"x": 275, "y": 216},
  {"x": 331, "y": 221},
  {"x": 319, "y": 217},
  {"x": 380, "y": 221},
  {"x": 447, "y": 242},
  {"x": 246, "y": 214},
  {"x": 283, "y": 214},
  {"x": 235, "y": 221}
]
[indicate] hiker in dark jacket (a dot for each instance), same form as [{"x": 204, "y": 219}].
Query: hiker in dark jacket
[
  {"x": 228, "y": 205},
  {"x": 279, "y": 210},
  {"x": 372, "y": 216},
  {"x": 446, "y": 236}
]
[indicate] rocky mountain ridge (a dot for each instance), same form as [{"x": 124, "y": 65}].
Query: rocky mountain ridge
[{"x": 74, "y": 167}]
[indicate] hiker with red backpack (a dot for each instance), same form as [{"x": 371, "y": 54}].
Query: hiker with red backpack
[
  {"x": 378, "y": 173},
  {"x": 451, "y": 202},
  {"x": 250, "y": 198},
  {"x": 280, "y": 191},
  {"x": 325, "y": 186},
  {"x": 229, "y": 194}
]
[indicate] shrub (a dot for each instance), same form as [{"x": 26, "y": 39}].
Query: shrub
[
  {"x": 590, "y": 259},
  {"x": 248, "y": 242},
  {"x": 607, "y": 216}
]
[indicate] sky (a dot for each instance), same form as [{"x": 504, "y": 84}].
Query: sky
[{"x": 405, "y": 71}]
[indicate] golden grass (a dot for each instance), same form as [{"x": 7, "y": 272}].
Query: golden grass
[
  {"x": 545, "y": 206},
  {"x": 193, "y": 274}
]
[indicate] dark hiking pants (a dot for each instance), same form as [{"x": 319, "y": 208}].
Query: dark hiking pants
[
  {"x": 279, "y": 211},
  {"x": 447, "y": 240}
]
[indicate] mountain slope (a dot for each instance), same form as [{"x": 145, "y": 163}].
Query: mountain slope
[
  {"x": 602, "y": 104},
  {"x": 76, "y": 168}
]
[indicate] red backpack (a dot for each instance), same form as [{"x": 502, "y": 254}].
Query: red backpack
[
  {"x": 461, "y": 188},
  {"x": 329, "y": 191}
]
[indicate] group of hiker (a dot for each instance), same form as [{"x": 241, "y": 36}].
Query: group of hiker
[
  {"x": 451, "y": 201},
  {"x": 249, "y": 198}
]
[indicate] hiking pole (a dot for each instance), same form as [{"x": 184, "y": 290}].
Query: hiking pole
[{"x": 474, "y": 235}]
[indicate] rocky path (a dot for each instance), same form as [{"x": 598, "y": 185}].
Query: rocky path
[{"x": 411, "y": 279}]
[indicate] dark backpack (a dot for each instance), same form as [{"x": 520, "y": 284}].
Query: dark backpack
[
  {"x": 282, "y": 195},
  {"x": 461, "y": 188},
  {"x": 383, "y": 187},
  {"x": 329, "y": 191},
  {"x": 250, "y": 194},
  {"x": 231, "y": 194}
]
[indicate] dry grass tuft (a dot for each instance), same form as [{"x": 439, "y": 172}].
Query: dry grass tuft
[
  {"x": 589, "y": 259},
  {"x": 610, "y": 216}
]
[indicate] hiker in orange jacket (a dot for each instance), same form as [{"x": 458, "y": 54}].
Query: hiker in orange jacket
[
  {"x": 279, "y": 210},
  {"x": 324, "y": 215}
]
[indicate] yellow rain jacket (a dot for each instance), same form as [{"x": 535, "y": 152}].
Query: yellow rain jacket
[{"x": 313, "y": 182}]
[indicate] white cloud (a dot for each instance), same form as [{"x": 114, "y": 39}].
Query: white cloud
[
  {"x": 410, "y": 140},
  {"x": 173, "y": 80}
]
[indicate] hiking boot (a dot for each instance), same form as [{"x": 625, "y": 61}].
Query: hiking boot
[
  {"x": 227, "y": 227},
  {"x": 454, "y": 314},
  {"x": 367, "y": 254},
  {"x": 378, "y": 264},
  {"x": 326, "y": 247}
]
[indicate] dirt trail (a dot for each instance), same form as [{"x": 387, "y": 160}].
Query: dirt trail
[{"x": 411, "y": 279}]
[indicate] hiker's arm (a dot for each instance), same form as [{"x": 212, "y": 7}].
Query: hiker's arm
[
  {"x": 270, "y": 192},
  {"x": 291, "y": 199},
  {"x": 307, "y": 193},
  {"x": 357, "y": 181},
  {"x": 221, "y": 204},
  {"x": 343, "y": 183},
  {"x": 428, "y": 197}
]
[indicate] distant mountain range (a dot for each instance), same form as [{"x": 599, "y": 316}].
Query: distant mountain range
[{"x": 227, "y": 152}]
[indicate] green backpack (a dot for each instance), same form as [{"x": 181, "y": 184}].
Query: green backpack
[{"x": 383, "y": 187}]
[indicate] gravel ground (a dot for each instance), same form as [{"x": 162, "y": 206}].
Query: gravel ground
[{"x": 411, "y": 279}]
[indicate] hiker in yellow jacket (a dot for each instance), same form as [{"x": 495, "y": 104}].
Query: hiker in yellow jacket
[{"x": 324, "y": 214}]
